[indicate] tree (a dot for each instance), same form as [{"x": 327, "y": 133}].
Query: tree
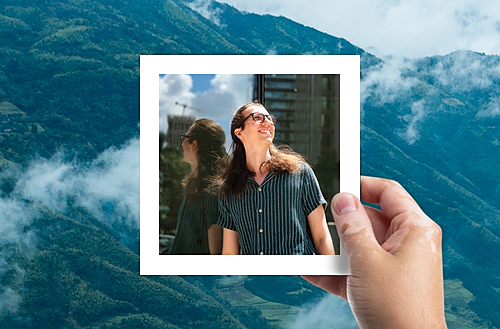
[{"x": 173, "y": 171}]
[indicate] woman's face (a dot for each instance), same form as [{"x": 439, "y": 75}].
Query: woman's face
[
  {"x": 190, "y": 148},
  {"x": 256, "y": 132}
]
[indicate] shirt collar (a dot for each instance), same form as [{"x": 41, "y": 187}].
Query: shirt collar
[{"x": 268, "y": 177}]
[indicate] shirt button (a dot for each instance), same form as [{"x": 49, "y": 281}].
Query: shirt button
[
  {"x": 261, "y": 253},
  {"x": 260, "y": 190},
  {"x": 260, "y": 210},
  {"x": 261, "y": 230}
]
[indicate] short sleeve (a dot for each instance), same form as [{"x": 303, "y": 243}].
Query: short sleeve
[
  {"x": 312, "y": 197},
  {"x": 225, "y": 220},
  {"x": 210, "y": 209}
]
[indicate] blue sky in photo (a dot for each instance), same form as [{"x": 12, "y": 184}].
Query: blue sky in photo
[{"x": 201, "y": 82}]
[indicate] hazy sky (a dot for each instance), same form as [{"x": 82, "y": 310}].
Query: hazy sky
[{"x": 395, "y": 27}]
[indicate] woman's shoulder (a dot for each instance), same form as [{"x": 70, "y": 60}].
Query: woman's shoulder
[{"x": 305, "y": 167}]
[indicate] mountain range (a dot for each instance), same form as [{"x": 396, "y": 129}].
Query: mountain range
[{"x": 69, "y": 92}]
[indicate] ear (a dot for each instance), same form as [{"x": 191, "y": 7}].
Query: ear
[
  {"x": 238, "y": 134},
  {"x": 194, "y": 145}
]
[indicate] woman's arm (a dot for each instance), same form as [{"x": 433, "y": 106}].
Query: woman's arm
[
  {"x": 230, "y": 243},
  {"x": 320, "y": 232},
  {"x": 215, "y": 239}
]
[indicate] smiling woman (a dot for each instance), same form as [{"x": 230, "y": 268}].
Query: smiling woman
[{"x": 270, "y": 201}]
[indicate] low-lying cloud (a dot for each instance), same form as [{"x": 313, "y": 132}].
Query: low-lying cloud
[
  {"x": 463, "y": 72},
  {"x": 17, "y": 242},
  {"x": 491, "y": 110},
  {"x": 402, "y": 28},
  {"x": 388, "y": 81},
  {"x": 107, "y": 188},
  {"x": 329, "y": 313},
  {"x": 204, "y": 8},
  {"x": 410, "y": 133},
  {"x": 417, "y": 89}
]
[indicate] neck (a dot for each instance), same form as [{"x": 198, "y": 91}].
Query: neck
[
  {"x": 255, "y": 158},
  {"x": 194, "y": 168}
]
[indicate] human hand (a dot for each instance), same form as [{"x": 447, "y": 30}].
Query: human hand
[{"x": 395, "y": 259}]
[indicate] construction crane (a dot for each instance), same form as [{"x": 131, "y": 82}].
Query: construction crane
[{"x": 184, "y": 106}]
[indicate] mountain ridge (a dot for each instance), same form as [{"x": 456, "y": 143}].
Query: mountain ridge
[{"x": 65, "y": 53}]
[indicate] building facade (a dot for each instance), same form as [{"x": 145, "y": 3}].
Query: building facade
[{"x": 178, "y": 125}]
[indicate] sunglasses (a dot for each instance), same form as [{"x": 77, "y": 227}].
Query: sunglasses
[{"x": 184, "y": 137}]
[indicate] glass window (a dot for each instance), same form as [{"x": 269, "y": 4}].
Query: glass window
[{"x": 325, "y": 83}]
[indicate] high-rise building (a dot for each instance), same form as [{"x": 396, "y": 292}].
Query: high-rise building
[
  {"x": 178, "y": 125},
  {"x": 308, "y": 110}
]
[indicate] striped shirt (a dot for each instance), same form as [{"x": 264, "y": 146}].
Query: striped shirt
[
  {"x": 271, "y": 218},
  {"x": 193, "y": 221}
]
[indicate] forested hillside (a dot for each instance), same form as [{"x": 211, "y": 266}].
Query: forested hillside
[{"x": 69, "y": 82}]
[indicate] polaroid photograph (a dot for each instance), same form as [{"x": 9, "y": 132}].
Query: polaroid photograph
[{"x": 206, "y": 123}]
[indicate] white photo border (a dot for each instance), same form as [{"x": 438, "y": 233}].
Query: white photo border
[{"x": 151, "y": 66}]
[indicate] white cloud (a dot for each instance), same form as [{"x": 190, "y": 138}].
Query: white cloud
[
  {"x": 174, "y": 88},
  {"x": 396, "y": 27},
  {"x": 108, "y": 188},
  {"x": 330, "y": 312},
  {"x": 17, "y": 241},
  {"x": 387, "y": 82},
  {"x": 203, "y": 8},
  {"x": 226, "y": 93},
  {"x": 411, "y": 133},
  {"x": 491, "y": 110},
  {"x": 464, "y": 71},
  {"x": 10, "y": 301}
]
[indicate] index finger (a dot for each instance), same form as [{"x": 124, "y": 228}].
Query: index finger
[{"x": 390, "y": 195}]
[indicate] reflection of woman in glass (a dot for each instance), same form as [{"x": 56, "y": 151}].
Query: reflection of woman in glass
[
  {"x": 270, "y": 201},
  {"x": 196, "y": 230}
]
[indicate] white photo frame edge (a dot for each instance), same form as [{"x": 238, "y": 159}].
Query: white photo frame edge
[{"x": 151, "y": 66}]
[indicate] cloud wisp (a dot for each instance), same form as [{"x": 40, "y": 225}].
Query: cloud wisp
[
  {"x": 411, "y": 132},
  {"x": 491, "y": 110},
  {"x": 463, "y": 72},
  {"x": 203, "y": 7},
  {"x": 403, "y": 28},
  {"x": 107, "y": 188},
  {"x": 329, "y": 312},
  {"x": 17, "y": 242},
  {"x": 417, "y": 90}
]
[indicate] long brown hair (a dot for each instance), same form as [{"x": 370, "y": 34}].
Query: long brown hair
[
  {"x": 234, "y": 181},
  {"x": 210, "y": 156}
]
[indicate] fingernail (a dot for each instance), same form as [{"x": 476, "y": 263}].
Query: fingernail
[{"x": 344, "y": 203}]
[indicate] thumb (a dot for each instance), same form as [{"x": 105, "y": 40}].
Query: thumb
[{"x": 354, "y": 226}]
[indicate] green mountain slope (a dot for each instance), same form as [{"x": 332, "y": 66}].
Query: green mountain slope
[
  {"x": 82, "y": 276},
  {"x": 72, "y": 66},
  {"x": 69, "y": 78},
  {"x": 468, "y": 244}
]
